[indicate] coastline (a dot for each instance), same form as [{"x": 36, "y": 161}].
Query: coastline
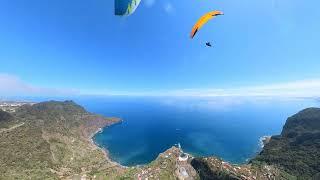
[
  {"x": 264, "y": 140},
  {"x": 102, "y": 149}
]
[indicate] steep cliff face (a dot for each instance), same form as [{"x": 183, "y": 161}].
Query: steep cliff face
[
  {"x": 297, "y": 149},
  {"x": 295, "y": 154}
]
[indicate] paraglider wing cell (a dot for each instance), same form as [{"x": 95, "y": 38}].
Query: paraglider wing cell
[{"x": 125, "y": 7}]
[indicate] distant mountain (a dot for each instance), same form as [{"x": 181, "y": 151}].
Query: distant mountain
[
  {"x": 297, "y": 149},
  {"x": 50, "y": 140}
]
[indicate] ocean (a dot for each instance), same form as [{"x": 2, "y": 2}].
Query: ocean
[{"x": 227, "y": 127}]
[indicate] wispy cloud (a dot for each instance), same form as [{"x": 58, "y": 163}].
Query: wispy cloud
[
  {"x": 168, "y": 7},
  {"x": 13, "y": 86},
  {"x": 304, "y": 88},
  {"x": 149, "y": 3}
]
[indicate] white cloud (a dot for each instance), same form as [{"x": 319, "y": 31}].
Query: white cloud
[
  {"x": 304, "y": 88},
  {"x": 13, "y": 86},
  {"x": 149, "y": 3}
]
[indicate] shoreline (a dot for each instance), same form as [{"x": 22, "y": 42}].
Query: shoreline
[
  {"x": 262, "y": 142},
  {"x": 104, "y": 150}
]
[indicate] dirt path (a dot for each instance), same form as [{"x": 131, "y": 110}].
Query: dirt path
[{"x": 12, "y": 128}]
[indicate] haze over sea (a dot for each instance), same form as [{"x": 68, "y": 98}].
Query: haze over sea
[{"x": 227, "y": 127}]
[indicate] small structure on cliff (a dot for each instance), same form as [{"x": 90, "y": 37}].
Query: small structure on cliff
[{"x": 183, "y": 157}]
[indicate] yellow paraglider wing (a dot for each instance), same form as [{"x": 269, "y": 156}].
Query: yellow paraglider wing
[{"x": 203, "y": 20}]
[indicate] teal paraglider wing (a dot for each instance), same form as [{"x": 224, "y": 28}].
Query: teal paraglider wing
[{"x": 125, "y": 7}]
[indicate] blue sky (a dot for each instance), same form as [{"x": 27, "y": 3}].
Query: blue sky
[{"x": 79, "y": 46}]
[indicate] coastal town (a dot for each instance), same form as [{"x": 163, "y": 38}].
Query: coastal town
[{"x": 11, "y": 106}]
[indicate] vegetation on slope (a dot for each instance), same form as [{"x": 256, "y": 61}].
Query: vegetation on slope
[
  {"x": 165, "y": 167},
  {"x": 5, "y": 119},
  {"x": 211, "y": 168},
  {"x": 51, "y": 140},
  {"x": 297, "y": 149}
]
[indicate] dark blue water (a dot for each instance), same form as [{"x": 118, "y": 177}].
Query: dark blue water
[{"x": 226, "y": 127}]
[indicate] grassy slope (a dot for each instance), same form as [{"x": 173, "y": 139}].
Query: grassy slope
[{"x": 54, "y": 142}]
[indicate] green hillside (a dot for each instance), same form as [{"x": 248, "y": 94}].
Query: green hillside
[
  {"x": 297, "y": 149},
  {"x": 50, "y": 140}
]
